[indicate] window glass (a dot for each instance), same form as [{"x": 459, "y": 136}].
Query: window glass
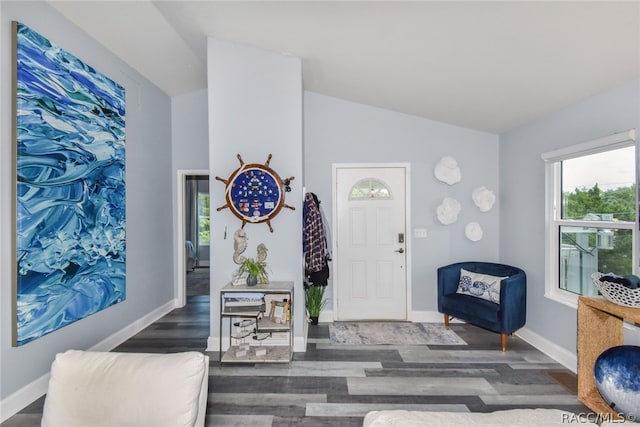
[
  {"x": 585, "y": 250},
  {"x": 204, "y": 235},
  {"x": 593, "y": 217},
  {"x": 600, "y": 187},
  {"x": 369, "y": 188}
]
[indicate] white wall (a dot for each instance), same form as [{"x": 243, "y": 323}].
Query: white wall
[
  {"x": 522, "y": 183},
  {"x": 149, "y": 217},
  {"x": 338, "y": 131},
  {"x": 189, "y": 131},
  {"x": 189, "y": 152},
  {"x": 255, "y": 109}
]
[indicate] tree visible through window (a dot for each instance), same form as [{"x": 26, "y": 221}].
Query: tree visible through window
[
  {"x": 613, "y": 246},
  {"x": 204, "y": 234}
]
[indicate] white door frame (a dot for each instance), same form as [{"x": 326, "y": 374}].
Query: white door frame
[
  {"x": 181, "y": 282},
  {"x": 407, "y": 219}
]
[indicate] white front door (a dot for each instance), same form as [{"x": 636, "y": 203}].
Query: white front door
[{"x": 371, "y": 280}]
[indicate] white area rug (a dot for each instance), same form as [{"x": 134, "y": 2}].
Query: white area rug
[{"x": 395, "y": 333}]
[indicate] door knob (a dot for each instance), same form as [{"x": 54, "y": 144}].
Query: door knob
[{"x": 401, "y": 250}]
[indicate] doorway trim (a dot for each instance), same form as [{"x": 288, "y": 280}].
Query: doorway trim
[
  {"x": 181, "y": 282},
  {"x": 407, "y": 219}
]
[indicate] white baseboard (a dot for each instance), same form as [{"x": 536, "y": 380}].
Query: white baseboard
[
  {"x": 22, "y": 398},
  {"x": 130, "y": 330},
  {"x": 300, "y": 344},
  {"x": 563, "y": 356},
  {"x": 15, "y": 402},
  {"x": 429, "y": 317},
  {"x": 213, "y": 343},
  {"x": 560, "y": 354},
  {"x": 325, "y": 316}
]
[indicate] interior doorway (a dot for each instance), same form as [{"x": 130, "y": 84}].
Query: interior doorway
[{"x": 193, "y": 234}]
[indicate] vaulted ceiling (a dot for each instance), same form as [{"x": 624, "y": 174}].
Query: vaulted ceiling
[{"x": 490, "y": 66}]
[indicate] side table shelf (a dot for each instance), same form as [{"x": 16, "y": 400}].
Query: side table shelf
[
  {"x": 256, "y": 338},
  {"x": 600, "y": 326}
]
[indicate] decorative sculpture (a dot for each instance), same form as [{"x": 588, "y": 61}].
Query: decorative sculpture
[
  {"x": 248, "y": 266},
  {"x": 473, "y": 231},
  {"x": 447, "y": 171},
  {"x": 448, "y": 211},
  {"x": 483, "y": 198},
  {"x": 239, "y": 245},
  {"x": 262, "y": 253}
]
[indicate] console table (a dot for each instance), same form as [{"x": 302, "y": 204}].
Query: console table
[
  {"x": 256, "y": 342},
  {"x": 600, "y": 326}
]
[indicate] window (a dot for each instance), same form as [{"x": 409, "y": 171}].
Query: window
[
  {"x": 369, "y": 188},
  {"x": 204, "y": 235},
  {"x": 591, "y": 199}
]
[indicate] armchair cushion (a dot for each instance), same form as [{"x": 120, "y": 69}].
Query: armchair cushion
[{"x": 480, "y": 285}]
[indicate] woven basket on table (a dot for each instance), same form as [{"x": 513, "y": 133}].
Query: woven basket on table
[{"x": 616, "y": 292}]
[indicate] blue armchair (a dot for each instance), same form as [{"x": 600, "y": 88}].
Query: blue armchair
[{"x": 506, "y": 317}]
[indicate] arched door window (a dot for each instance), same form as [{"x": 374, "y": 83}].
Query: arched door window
[{"x": 369, "y": 188}]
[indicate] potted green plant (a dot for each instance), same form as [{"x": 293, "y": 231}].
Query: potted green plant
[
  {"x": 256, "y": 271},
  {"x": 314, "y": 302}
]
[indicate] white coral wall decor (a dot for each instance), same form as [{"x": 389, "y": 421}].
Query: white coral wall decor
[
  {"x": 447, "y": 170},
  {"x": 483, "y": 198},
  {"x": 448, "y": 211},
  {"x": 473, "y": 231}
]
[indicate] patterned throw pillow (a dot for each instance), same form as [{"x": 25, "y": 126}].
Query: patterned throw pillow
[{"x": 480, "y": 285}]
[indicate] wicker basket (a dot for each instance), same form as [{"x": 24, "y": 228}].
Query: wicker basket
[{"x": 616, "y": 292}]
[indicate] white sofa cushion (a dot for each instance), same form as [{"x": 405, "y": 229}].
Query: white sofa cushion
[
  {"x": 126, "y": 389},
  {"x": 506, "y": 418}
]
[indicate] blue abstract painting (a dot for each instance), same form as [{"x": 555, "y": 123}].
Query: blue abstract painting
[{"x": 70, "y": 188}]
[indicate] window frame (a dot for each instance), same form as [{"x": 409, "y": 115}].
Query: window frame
[{"x": 553, "y": 208}]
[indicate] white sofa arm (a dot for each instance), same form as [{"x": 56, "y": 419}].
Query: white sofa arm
[{"x": 127, "y": 389}]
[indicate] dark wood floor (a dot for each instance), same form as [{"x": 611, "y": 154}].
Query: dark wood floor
[{"x": 337, "y": 385}]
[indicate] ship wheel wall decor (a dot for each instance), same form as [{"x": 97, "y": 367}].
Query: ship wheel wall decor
[{"x": 255, "y": 193}]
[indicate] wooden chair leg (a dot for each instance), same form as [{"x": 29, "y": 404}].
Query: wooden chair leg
[
  {"x": 503, "y": 341},
  {"x": 446, "y": 321}
]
